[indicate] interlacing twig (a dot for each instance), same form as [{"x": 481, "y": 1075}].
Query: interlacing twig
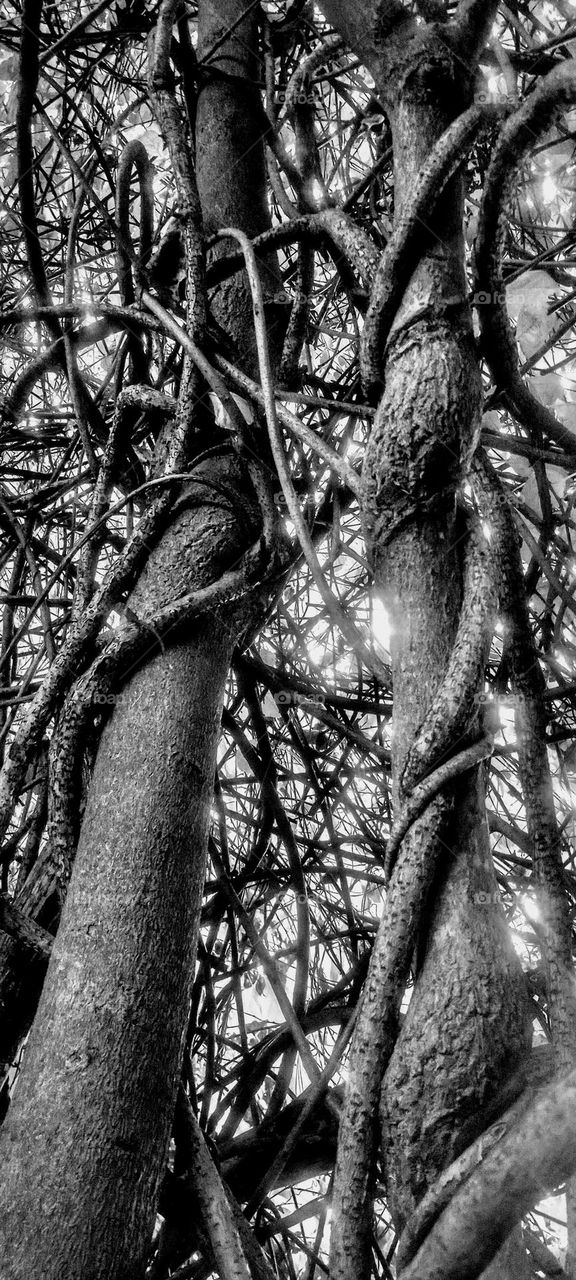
[
  {"x": 413, "y": 853},
  {"x": 437, "y": 756},
  {"x": 528, "y": 689},
  {"x": 337, "y": 612},
  {"x": 519, "y": 135}
]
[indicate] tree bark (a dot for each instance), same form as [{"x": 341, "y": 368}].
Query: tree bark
[
  {"x": 467, "y": 1026},
  {"x": 84, "y": 1147},
  {"x": 85, "y": 1141},
  {"x": 231, "y": 168}
]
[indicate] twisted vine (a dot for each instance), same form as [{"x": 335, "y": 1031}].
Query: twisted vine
[
  {"x": 556, "y": 91},
  {"x": 99, "y": 686},
  {"x": 408, "y": 242},
  {"x": 441, "y": 749},
  {"x": 414, "y": 847},
  {"x": 527, "y": 683},
  {"x": 414, "y": 850},
  {"x": 449, "y": 716},
  {"x": 519, "y": 135},
  {"x": 341, "y": 618}
]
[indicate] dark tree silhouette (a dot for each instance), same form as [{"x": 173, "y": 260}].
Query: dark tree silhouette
[{"x": 287, "y": 654}]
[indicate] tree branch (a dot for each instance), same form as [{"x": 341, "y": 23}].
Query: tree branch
[
  {"x": 472, "y": 26},
  {"x": 25, "y": 930},
  {"x": 366, "y": 25},
  {"x": 519, "y": 135},
  {"x": 490, "y": 1125},
  {"x": 408, "y": 242},
  {"x": 209, "y": 1192},
  {"x": 534, "y": 1157}
]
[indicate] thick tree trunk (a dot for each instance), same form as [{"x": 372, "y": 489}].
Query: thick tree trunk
[
  {"x": 468, "y": 1024},
  {"x": 84, "y": 1147},
  {"x": 85, "y": 1141}
]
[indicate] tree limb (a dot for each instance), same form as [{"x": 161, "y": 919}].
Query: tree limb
[
  {"x": 533, "y": 1158},
  {"x": 209, "y": 1192},
  {"x": 472, "y": 25},
  {"x": 365, "y": 26},
  {"x": 25, "y": 930},
  {"x": 519, "y": 135}
]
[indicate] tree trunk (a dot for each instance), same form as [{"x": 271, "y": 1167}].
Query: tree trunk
[
  {"x": 231, "y": 168},
  {"x": 84, "y": 1147},
  {"x": 85, "y": 1141},
  {"x": 468, "y": 1025}
]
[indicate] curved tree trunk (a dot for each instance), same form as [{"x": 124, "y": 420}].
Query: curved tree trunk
[
  {"x": 468, "y": 1025},
  {"x": 85, "y": 1143}
]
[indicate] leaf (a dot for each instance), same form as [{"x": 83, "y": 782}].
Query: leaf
[
  {"x": 527, "y": 299},
  {"x": 557, "y": 483},
  {"x": 566, "y": 412},
  {"x": 149, "y": 135},
  {"x": 270, "y": 708},
  {"x": 8, "y": 69},
  {"x": 533, "y": 329},
  {"x": 491, "y": 421},
  {"x": 532, "y": 290},
  {"x": 471, "y": 229},
  {"x": 241, "y": 762},
  {"x": 548, "y": 387}
]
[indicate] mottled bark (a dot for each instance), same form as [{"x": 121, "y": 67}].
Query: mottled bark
[{"x": 532, "y": 1158}]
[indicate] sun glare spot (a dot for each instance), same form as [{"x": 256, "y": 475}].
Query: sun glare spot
[
  {"x": 549, "y": 189},
  {"x": 530, "y": 908},
  {"x": 316, "y": 654},
  {"x": 381, "y": 625}
]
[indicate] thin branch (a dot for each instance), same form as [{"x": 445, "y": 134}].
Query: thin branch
[
  {"x": 337, "y": 612},
  {"x": 28, "y": 71},
  {"x": 425, "y": 791},
  {"x": 519, "y": 136}
]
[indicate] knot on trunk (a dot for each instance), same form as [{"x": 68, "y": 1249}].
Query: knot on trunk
[{"x": 425, "y": 431}]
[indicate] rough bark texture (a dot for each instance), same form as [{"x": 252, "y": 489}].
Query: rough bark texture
[
  {"x": 84, "y": 1147},
  {"x": 85, "y": 1143},
  {"x": 532, "y": 1158},
  {"x": 467, "y": 1026},
  {"x": 231, "y": 167},
  {"x": 93, "y": 1099}
]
